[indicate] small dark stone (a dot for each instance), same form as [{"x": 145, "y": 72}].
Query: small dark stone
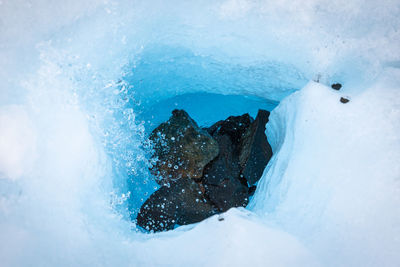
[
  {"x": 182, "y": 149},
  {"x": 221, "y": 219},
  {"x": 336, "y": 86},
  {"x": 181, "y": 203},
  {"x": 344, "y": 100},
  {"x": 255, "y": 149}
]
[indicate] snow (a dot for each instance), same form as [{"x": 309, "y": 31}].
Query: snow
[
  {"x": 234, "y": 238},
  {"x": 75, "y": 86},
  {"x": 346, "y": 157},
  {"x": 17, "y": 142}
]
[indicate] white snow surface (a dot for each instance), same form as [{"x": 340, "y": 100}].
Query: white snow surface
[
  {"x": 329, "y": 197},
  {"x": 334, "y": 180}
]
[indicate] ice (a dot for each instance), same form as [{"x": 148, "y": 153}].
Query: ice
[
  {"x": 234, "y": 238},
  {"x": 78, "y": 77},
  {"x": 17, "y": 142},
  {"x": 346, "y": 157}
]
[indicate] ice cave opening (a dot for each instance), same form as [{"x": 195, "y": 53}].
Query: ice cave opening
[{"x": 164, "y": 78}]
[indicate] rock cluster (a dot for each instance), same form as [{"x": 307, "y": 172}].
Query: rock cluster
[{"x": 204, "y": 171}]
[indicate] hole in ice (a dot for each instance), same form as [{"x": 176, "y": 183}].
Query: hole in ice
[
  {"x": 162, "y": 79},
  {"x": 207, "y": 156},
  {"x": 204, "y": 108}
]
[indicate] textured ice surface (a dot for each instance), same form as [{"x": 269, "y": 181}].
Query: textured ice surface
[
  {"x": 76, "y": 76},
  {"x": 346, "y": 157}
]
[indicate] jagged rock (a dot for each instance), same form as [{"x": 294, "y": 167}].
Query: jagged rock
[
  {"x": 229, "y": 194},
  {"x": 181, "y": 203},
  {"x": 222, "y": 175},
  {"x": 159, "y": 211},
  {"x": 182, "y": 148},
  {"x": 223, "y": 162},
  {"x": 252, "y": 190},
  {"x": 233, "y": 126},
  {"x": 255, "y": 150},
  {"x": 193, "y": 207}
]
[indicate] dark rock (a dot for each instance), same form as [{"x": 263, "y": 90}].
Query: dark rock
[
  {"x": 182, "y": 149},
  {"x": 233, "y": 126},
  {"x": 193, "y": 207},
  {"x": 255, "y": 149},
  {"x": 181, "y": 203},
  {"x": 228, "y": 194},
  {"x": 225, "y": 165},
  {"x": 222, "y": 162},
  {"x": 221, "y": 176},
  {"x": 252, "y": 190},
  {"x": 159, "y": 212},
  {"x": 344, "y": 100},
  {"x": 336, "y": 86}
]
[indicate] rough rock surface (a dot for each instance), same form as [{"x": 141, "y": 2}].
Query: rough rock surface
[
  {"x": 180, "y": 203},
  {"x": 223, "y": 161},
  {"x": 182, "y": 149},
  {"x": 255, "y": 150},
  {"x": 222, "y": 176}
]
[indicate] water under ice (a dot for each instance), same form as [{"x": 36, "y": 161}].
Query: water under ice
[{"x": 77, "y": 79}]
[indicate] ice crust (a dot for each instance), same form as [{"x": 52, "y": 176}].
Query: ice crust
[
  {"x": 345, "y": 157},
  {"x": 69, "y": 133}
]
